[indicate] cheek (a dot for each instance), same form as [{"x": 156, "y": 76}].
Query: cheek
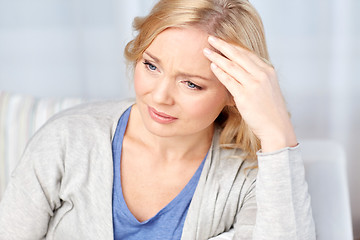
[{"x": 208, "y": 107}]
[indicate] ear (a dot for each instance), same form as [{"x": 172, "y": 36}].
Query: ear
[{"x": 230, "y": 100}]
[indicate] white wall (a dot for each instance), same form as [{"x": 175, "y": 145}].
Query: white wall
[
  {"x": 66, "y": 47},
  {"x": 74, "y": 48}
]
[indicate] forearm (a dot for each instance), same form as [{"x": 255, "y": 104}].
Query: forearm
[
  {"x": 284, "y": 208},
  {"x": 21, "y": 217}
]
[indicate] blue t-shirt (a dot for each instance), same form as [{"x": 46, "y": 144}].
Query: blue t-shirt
[{"x": 167, "y": 223}]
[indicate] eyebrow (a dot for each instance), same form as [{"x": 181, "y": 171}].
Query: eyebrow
[
  {"x": 153, "y": 57},
  {"x": 188, "y": 75}
]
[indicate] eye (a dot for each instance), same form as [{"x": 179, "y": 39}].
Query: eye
[
  {"x": 150, "y": 66},
  {"x": 192, "y": 85}
]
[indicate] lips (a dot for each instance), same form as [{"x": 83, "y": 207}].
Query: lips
[{"x": 160, "y": 117}]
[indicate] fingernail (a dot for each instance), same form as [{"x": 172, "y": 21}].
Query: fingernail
[
  {"x": 212, "y": 39},
  {"x": 207, "y": 51},
  {"x": 213, "y": 66}
]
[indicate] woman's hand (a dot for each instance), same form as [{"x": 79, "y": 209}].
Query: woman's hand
[{"x": 256, "y": 92}]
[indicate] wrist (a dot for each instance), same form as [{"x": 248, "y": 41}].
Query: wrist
[{"x": 277, "y": 142}]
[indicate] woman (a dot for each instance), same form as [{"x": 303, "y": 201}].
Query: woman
[{"x": 181, "y": 162}]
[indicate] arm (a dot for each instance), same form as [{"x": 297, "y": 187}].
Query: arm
[
  {"x": 284, "y": 207},
  {"x": 279, "y": 207},
  {"x": 283, "y": 204},
  {"x": 31, "y": 195}
]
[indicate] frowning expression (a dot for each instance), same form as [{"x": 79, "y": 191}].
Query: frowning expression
[{"x": 177, "y": 94}]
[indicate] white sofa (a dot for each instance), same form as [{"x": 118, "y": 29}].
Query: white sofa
[
  {"x": 325, "y": 166},
  {"x": 325, "y": 162}
]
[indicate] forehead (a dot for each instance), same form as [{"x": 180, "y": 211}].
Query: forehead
[
  {"x": 181, "y": 33},
  {"x": 182, "y": 47}
]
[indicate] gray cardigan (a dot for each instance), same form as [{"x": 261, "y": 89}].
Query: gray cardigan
[{"x": 62, "y": 188}]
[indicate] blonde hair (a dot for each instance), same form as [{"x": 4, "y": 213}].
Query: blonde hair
[{"x": 235, "y": 21}]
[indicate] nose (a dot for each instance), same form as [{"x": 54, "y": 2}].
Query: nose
[{"x": 163, "y": 92}]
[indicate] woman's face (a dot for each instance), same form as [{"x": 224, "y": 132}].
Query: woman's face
[{"x": 177, "y": 94}]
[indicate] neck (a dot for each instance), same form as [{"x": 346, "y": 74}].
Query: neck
[{"x": 171, "y": 148}]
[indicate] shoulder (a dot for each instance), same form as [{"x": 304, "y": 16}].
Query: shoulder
[
  {"x": 227, "y": 160},
  {"x": 229, "y": 170},
  {"x": 232, "y": 168},
  {"x": 226, "y": 181},
  {"x": 102, "y": 111},
  {"x": 84, "y": 122},
  {"x": 232, "y": 172},
  {"x": 73, "y": 136}
]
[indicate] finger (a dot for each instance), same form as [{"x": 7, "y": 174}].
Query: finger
[
  {"x": 262, "y": 62},
  {"x": 245, "y": 58},
  {"x": 228, "y": 66},
  {"x": 233, "y": 86}
]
